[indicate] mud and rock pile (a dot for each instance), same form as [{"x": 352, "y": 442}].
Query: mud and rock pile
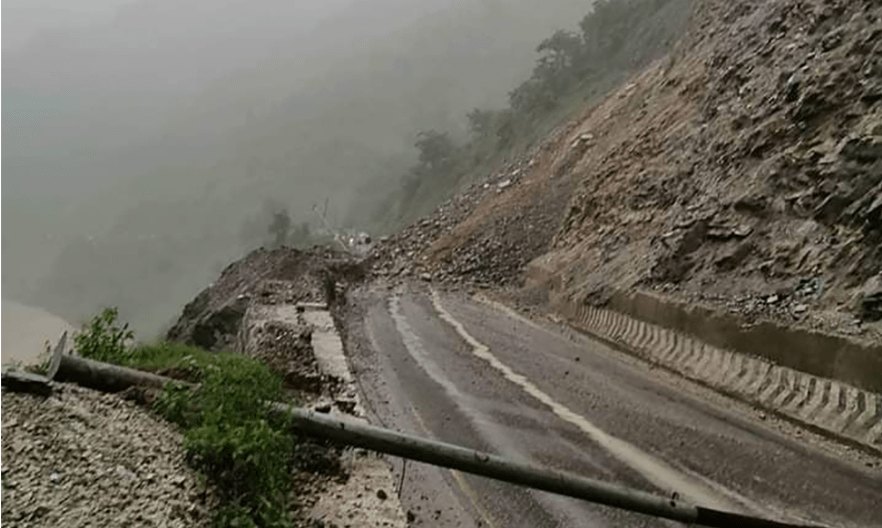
[
  {"x": 278, "y": 276},
  {"x": 263, "y": 306},
  {"x": 741, "y": 171},
  {"x": 487, "y": 234}
]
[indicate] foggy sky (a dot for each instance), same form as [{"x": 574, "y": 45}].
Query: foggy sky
[
  {"x": 23, "y": 20},
  {"x": 139, "y": 134}
]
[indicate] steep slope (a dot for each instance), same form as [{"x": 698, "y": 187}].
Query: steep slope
[
  {"x": 746, "y": 169},
  {"x": 742, "y": 171}
]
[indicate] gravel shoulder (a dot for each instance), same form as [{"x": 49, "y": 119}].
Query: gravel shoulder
[{"x": 84, "y": 458}]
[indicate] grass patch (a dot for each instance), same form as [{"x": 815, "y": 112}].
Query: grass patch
[
  {"x": 229, "y": 434},
  {"x": 164, "y": 354}
]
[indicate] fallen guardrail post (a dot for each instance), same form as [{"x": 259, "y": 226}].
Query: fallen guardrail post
[
  {"x": 105, "y": 376},
  {"x": 359, "y": 434}
]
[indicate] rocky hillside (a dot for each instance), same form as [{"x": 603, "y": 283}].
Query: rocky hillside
[
  {"x": 743, "y": 170},
  {"x": 746, "y": 168}
]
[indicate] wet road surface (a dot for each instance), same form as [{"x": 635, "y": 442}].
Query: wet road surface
[{"x": 457, "y": 370}]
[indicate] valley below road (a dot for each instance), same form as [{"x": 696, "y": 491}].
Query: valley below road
[
  {"x": 448, "y": 366},
  {"x": 26, "y": 330}
]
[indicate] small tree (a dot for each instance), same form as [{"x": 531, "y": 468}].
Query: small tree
[
  {"x": 480, "y": 122},
  {"x": 607, "y": 27},
  {"x": 505, "y": 126},
  {"x": 563, "y": 48},
  {"x": 436, "y": 149},
  {"x": 532, "y": 95},
  {"x": 103, "y": 339}
]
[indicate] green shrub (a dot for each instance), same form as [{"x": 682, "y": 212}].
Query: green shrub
[
  {"x": 230, "y": 436},
  {"x": 103, "y": 339}
]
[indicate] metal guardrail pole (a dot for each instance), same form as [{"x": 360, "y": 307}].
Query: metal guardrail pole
[
  {"x": 103, "y": 376},
  {"x": 454, "y": 457}
]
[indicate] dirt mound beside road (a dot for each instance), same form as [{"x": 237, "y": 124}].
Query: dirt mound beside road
[
  {"x": 82, "y": 458},
  {"x": 487, "y": 234},
  {"x": 277, "y": 276}
]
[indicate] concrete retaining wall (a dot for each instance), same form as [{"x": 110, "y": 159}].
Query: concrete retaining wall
[
  {"x": 826, "y": 382},
  {"x": 823, "y": 403},
  {"x": 810, "y": 352}
]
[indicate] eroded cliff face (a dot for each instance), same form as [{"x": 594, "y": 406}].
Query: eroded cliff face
[
  {"x": 745, "y": 168},
  {"x": 742, "y": 171}
]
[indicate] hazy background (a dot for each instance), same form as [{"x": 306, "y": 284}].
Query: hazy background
[{"x": 140, "y": 135}]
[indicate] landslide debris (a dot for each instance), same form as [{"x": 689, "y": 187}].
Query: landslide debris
[
  {"x": 743, "y": 170},
  {"x": 256, "y": 307},
  {"x": 268, "y": 285},
  {"x": 487, "y": 234}
]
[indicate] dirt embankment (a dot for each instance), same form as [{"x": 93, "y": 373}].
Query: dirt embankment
[
  {"x": 284, "y": 275},
  {"x": 743, "y": 172}
]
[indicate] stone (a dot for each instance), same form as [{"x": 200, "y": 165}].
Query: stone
[
  {"x": 731, "y": 260},
  {"x": 791, "y": 89},
  {"x": 345, "y": 406},
  {"x": 862, "y": 150},
  {"x": 26, "y": 382},
  {"x": 871, "y": 299}
]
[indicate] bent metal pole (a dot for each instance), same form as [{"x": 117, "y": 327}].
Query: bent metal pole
[{"x": 451, "y": 456}]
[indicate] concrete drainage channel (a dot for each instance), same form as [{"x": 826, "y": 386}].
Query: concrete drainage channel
[
  {"x": 367, "y": 498},
  {"x": 828, "y": 406}
]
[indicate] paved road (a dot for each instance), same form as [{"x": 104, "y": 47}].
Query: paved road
[{"x": 451, "y": 368}]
